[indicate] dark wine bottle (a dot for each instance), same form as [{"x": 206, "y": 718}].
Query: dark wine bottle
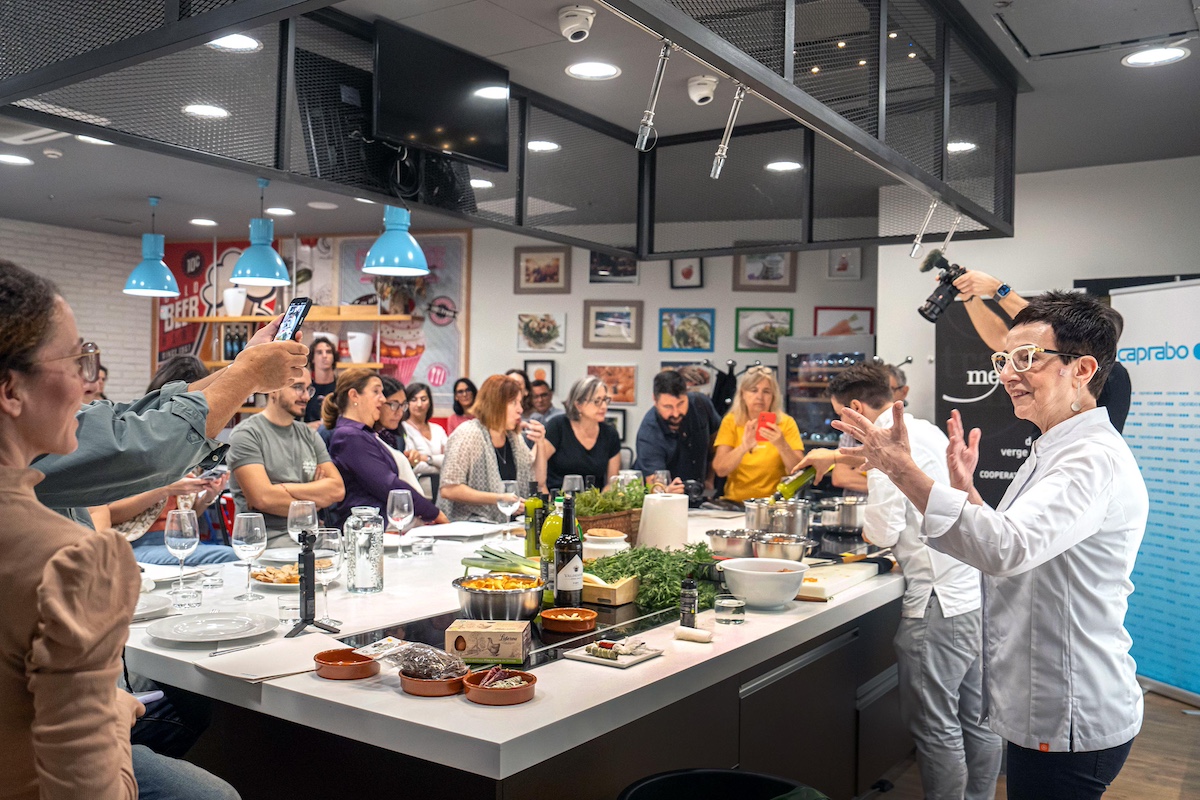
[{"x": 568, "y": 561}]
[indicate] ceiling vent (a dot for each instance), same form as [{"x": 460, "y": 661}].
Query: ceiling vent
[{"x": 18, "y": 133}]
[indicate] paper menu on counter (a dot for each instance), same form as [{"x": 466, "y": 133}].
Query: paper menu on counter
[
  {"x": 272, "y": 660},
  {"x": 462, "y": 530}
]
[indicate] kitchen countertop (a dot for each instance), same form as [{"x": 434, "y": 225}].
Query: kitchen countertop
[{"x": 575, "y": 701}]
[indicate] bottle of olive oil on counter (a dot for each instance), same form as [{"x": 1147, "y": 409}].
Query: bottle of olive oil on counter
[
  {"x": 535, "y": 515},
  {"x": 552, "y": 528},
  {"x": 789, "y": 486},
  {"x": 568, "y": 561}
]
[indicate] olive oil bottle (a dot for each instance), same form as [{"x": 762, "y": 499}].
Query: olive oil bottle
[
  {"x": 551, "y": 529},
  {"x": 535, "y": 515}
]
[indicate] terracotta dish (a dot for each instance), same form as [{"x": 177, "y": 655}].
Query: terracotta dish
[
  {"x": 569, "y": 620},
  {"x": 431, "y": 687},
  {"x": 345, "y": 665},
  {"x": 498, "y": 697}
]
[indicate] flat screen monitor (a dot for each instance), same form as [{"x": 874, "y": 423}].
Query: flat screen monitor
[{"x": 436, "y": 97}]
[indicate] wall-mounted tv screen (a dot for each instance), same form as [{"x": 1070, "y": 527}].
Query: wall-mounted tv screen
[{"x": 436, "y": 97}]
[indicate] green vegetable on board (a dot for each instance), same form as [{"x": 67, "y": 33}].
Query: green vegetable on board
[{"x": 660, "y": 573}]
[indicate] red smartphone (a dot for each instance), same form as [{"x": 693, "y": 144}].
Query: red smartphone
[{"x": 764, "y": 419}]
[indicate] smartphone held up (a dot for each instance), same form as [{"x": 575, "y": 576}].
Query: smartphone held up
[
  {"x": 764, "y": 419},
  {"x": 293, "y": 319}
]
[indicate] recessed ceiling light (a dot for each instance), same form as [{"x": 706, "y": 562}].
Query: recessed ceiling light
[
  {"x": 912, "y": 55},
  {"x": 206, "y": 111},
  {"x": 17, "y": 161},
  {"x": 492, "y": 93},
  {"x": 784, "y": 166},
  {"x": 203, "y": 223},
  {"x": 280, "y": 211},
  {"x": 92, "y": 140},
  {"x": 539, "y": 146},
  {"x": 841, "y": 44},
  {"x": 1156, "y": 56},
  {"x": 236, "y": 41},
  {"x": 961, "y": 147},
  {"x": 480, "y": 183},
  {"x": 365, "y": 200},
  {"x": 322, "y": 205},
  {"x": 593, "y": 71},
  {"x": 862, "y": 62},
  {"x": 893, "y": 35},
  {"x": 815, "y": 70}
]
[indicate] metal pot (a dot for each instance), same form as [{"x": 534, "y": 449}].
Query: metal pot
[
  {"x": 758, "y": 514},
  {"x": 843, "y": 515},
  {"x": 499, "y": 604},
  {"x": 791, "y": 517},
  {"x": 782, "y": 545},
  {"x": 731, "y": 543}
]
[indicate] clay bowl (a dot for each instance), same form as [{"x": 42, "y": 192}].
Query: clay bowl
[
  {"x": 498, "y": 697},
  {"x": 431, "y": 687},
  {"x": 553, "y": 620},
  {"x": 345, "y": 665}
]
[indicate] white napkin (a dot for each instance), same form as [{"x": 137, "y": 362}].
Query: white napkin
[{"x": 273, "y": 660}]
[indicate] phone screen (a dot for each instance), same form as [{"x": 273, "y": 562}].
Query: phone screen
[
  {"x": 292, "y": 320},
  {"x": 764, "y": 419}
]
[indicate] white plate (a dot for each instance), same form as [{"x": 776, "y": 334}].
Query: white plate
[
  {"x": 295, "y": 587},
  {"x": 151, "y": 605},
  {"x": 217, "y": 627},
  {"x": 622, "y": 662},
  {"x": 161, "y": 572},
  {"x": 280, "y": 555}
]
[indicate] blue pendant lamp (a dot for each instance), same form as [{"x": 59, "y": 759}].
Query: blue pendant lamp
[
  {"x": 152, "y": 277},
  {"x": 259, "y": 264},
  {"x": 396, "y": 252}
]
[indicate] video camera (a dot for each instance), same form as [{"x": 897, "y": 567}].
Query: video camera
[{"x": 946, "y": 291}]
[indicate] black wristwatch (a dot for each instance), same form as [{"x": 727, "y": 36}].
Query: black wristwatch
[{"x": 1003, "y": 291}]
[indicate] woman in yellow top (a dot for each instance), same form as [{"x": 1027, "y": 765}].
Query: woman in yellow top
[{"x": 754, "y": 468}]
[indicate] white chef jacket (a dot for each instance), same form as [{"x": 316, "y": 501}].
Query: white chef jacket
[
  {"x": 1056, "y": 555},
  {"x": 891, "y": 520}
]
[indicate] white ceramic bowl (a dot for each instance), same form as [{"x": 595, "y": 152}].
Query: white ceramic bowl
[{"x": 764, "y": 582}]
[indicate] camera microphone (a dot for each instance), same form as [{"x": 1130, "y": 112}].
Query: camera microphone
[
  {"x": 946, "y": 291},
  {"x": 935, "y": 260}
]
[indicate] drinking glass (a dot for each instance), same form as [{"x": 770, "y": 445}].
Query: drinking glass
[
  {"x": 327, "y": 563},
  {"x": 181, "y": 536},
  {"x": 249, "y": 540},
  {"x": 302, "y": 516},
  {"x": 661, "y": 480},
  {"x": 572, "y": 484},
  {"x": 730, "y": 608},
  {"x": 508, "y": 503},
  {"x": 400, "y": 514}
]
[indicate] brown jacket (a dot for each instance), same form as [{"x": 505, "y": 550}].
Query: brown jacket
[{"x": 67, "y": 596}]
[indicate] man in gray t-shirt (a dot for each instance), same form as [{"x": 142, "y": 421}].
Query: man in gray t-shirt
[{"x": 276, "y": 459}]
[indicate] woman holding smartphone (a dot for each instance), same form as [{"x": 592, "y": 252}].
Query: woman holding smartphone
[{"x": 757, "y": 444}]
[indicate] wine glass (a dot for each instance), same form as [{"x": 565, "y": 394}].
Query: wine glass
[
  {"x": 249, "y": 540},
  {"x": 181, "y": 536},
  {"x": 661, "y": 480},
  {"x": 572, "y": 484},
  {"x": 508, "y": 503},
  {"x": 327, "y": 564},
  {"x": 400, "y": 514},
  {"x": 302, "y": 516}
]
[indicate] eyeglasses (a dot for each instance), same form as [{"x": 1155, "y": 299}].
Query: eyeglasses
[
  {"x": 300, "y": 388},
  {"x": 88, "y": 358},
  {"x": 600, "y": 401},
  {"x": 396, "y": 405},
  {"x": 1021, "y": 357}
]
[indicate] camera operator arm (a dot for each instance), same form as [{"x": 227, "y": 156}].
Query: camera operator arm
[
  {"x": 988, "y": 324},
  {"x": 990, "y": 327}
]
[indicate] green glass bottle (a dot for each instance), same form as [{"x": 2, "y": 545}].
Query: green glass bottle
[
  {"x": 551, "y": 530},
  {"x": 535, "y": 515},
  {"x": 789, "y": 486}
]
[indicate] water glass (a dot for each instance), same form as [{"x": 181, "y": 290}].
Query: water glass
[
  {"x": 660, "y": 480},
  {"x": 302, "y": 516},
  {"x": 422, "y": 546},
  {"x": 249, "y": 540},
  {"x": 572, "y": 484},
  {"x": 508, "y": 503},
  {"x": 181, "y": 535},
  {"x": 289, "y": 609},
  {"x": 400, "y": 514},
  {"x": 186, "y": 597},
  {"x": 327, "y": 564},
  {"x": 730, "y": 608}
]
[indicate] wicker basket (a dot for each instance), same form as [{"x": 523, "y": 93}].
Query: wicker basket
[{"x": 627, "y": 522}]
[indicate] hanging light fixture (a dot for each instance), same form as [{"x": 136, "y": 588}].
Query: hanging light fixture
[
  {"x": 259, "y": 264},
  {"x": 152, "y": 277},
  {"x": 396, "y": 252}
]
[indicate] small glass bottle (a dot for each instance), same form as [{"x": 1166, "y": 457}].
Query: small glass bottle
[{"x": 362, "y": 550}]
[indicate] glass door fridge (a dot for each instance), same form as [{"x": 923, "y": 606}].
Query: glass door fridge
[{"x": 806, "y": 364}]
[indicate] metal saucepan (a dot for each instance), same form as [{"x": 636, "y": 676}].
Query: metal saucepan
[
  {"x": 791, "y": 517},
  {"x": 843, "y": 515},
  {"x": 758, "y": 514}
]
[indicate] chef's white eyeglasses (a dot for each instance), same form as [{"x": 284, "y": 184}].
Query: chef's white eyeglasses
[
  {"x": 88, "y": 358},
  {"x": 1022, "y": 357}
]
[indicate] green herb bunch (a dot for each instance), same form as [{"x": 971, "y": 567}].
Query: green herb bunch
[
  {"x": 661, "y": 572},
  {"x": 611, "y": 500}
]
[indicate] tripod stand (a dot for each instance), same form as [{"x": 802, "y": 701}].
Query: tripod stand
[{"x": 308, "y": 589}]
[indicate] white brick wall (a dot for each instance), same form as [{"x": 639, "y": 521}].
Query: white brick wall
[{"x": 90, "y": 270}]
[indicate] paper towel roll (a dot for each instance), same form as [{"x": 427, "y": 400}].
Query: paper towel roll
[{"x": 664, "y": 521}]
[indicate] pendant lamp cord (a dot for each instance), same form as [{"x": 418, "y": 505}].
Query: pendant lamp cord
[{"x": 153, "y": 205}]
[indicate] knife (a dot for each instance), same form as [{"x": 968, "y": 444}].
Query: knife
[{"x": 234, "y": 649}]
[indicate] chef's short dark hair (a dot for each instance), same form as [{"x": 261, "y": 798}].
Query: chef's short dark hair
[
  {"x": 669, "y": 382},
  {"x": 1081, "y": 325},
  {"x": 866, "y": 383}
]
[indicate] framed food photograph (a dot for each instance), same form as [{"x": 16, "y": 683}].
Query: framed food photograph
[
  {"x": 686, "y": 330},
  {"x": 542, "y": 370},
  {"x": 845, "y": 265},
  {"x": 603, "y": 268},
  {"x": 616, "y": 418},
  {"x": 687, "y": 273},
  {"x": 697, "y": 376},
  {"x": 621, "y": 380},
  {"x": 542, "y": 270},
  {"x": 612, "y": 324},
  {"x": 830, "y": 321},
  {"x": 542, "y": 333},
  {"x": 760, "y": 329},
  {"x": 765, "y": 272}
]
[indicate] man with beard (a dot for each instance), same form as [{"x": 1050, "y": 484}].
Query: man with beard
[{"x": 677, "y": 434}]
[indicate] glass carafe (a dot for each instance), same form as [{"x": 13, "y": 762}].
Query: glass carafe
[{"x": 362, "y": 550}]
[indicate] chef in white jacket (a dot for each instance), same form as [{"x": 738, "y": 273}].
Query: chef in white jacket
[{"x": 1056, "y": 553}]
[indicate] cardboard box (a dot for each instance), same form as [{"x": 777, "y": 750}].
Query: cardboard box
[
  {"x": 618, "y": 594},
  {"x": 478, "y": 641}
]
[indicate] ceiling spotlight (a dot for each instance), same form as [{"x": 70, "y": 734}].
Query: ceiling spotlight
[
  {"x": 862, "y": 62},
  {"x": 205, "y": 111},
  {"x": 321, "y": 205},
  {"x": 480, "y": 183},
  {"x": 893, "y": 35},
  {"x": 815, "y": 70},
  {"x": 841, "y": 44},
  {"x": 491, "y": 93},
  {"x": 593, "y": 71},
  {"x": 280, "y": 211},
  {"x": 540, "y": 146},
  {"x": 236, "y": 42},
  {"x": 912, "y": 55},
  {"x": 17, "y": 161},
  {"x": 784, "y": 166},
  {"x": 961, "y": 147},
  {"x": 365, "y": 200},
  {"x": 1156, "y": 56},
  {"x": 92, "y": 140},
  {"x": 203, "y": 223}
]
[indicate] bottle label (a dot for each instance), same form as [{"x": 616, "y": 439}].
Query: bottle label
[{"x": 570, "y": 577}]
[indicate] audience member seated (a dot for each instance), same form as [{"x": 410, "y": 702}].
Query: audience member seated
[
  {"x": 464, "y": 398},
  {"x": 755, "y": 457},
  {"x": 487, "y": 450},
  {"x": 526, "y": 391},
  {"x": 677, "y": 434},
  {"x": 544, "y": 409},
  {"x": 69, "y": 592},
  {"x": 580, "y": 442},
  {"x": 365, "y": 463},
  {"x": 390, "y": 430},
  {"x": 276, "y": 459},
  {"x": 427, "y": 438},
  {"x": 322, "y": 368}
]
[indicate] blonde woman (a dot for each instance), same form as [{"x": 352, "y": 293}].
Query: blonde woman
[{"x": 752, "y": 457}]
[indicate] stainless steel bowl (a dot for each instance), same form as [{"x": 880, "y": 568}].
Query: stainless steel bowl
[
  {"x": 782, "y": 545},
  {"x": 731, "y": 543},
  {"x": 497, "y": 604}
]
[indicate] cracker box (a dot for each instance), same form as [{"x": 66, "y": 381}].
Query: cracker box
[{"x": 478, "y": 641}]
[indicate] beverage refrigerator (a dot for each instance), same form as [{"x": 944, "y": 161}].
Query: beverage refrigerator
[{"x": 806, "y": 364}]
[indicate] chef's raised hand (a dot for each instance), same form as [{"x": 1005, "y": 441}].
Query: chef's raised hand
[
  {"x": 962, "y": 454},
  {"x": 885, "y": 449}
]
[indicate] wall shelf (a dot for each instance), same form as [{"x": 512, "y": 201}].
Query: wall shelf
[{"x": 315, "y": 314}]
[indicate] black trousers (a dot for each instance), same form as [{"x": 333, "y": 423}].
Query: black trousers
[{"x": 1034, "y": 775}]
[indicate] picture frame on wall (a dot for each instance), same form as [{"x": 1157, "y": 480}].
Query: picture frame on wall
[
  {"x": 845, "y": 265},
  {"x": 541, "y": 370},
  {"x": 839, "y": 321},
  {"x": 616, "y": 418},
  {"x": 621, "y": 380},
  {"x": 760, "y": 329},
  {"x": 605, "y": 268},
  {"x": 613, "y": 324},
  {"x": 542, "y": 333},
  {"x": 687, "y": 273},
  {"x": 765, "y": 272},
  {"x": 698, "y": 376},
  {"x": 686, "y": 330},
  {"x": 542, "y": 270}
]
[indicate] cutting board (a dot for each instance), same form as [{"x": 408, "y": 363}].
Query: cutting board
[{"x": 822, "y": 583}]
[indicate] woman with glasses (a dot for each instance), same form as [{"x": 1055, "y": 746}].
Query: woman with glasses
[
  {"x": 1056, "y": 553},
  {"x": 464, "y": 398},
  {"x": 427, "y": 438},
  {"x": 754, "y": 457},
  {"x": 390, "y": 430},
  {"x": 580, "y": 442}
]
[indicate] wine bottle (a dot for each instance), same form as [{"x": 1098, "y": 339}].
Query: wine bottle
[
  {"x": 535, "y": 515},
  {"x": 568, "y": 561},
  {"x": 789, "y": 486},
  {"x": 552, "y": 528}
]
